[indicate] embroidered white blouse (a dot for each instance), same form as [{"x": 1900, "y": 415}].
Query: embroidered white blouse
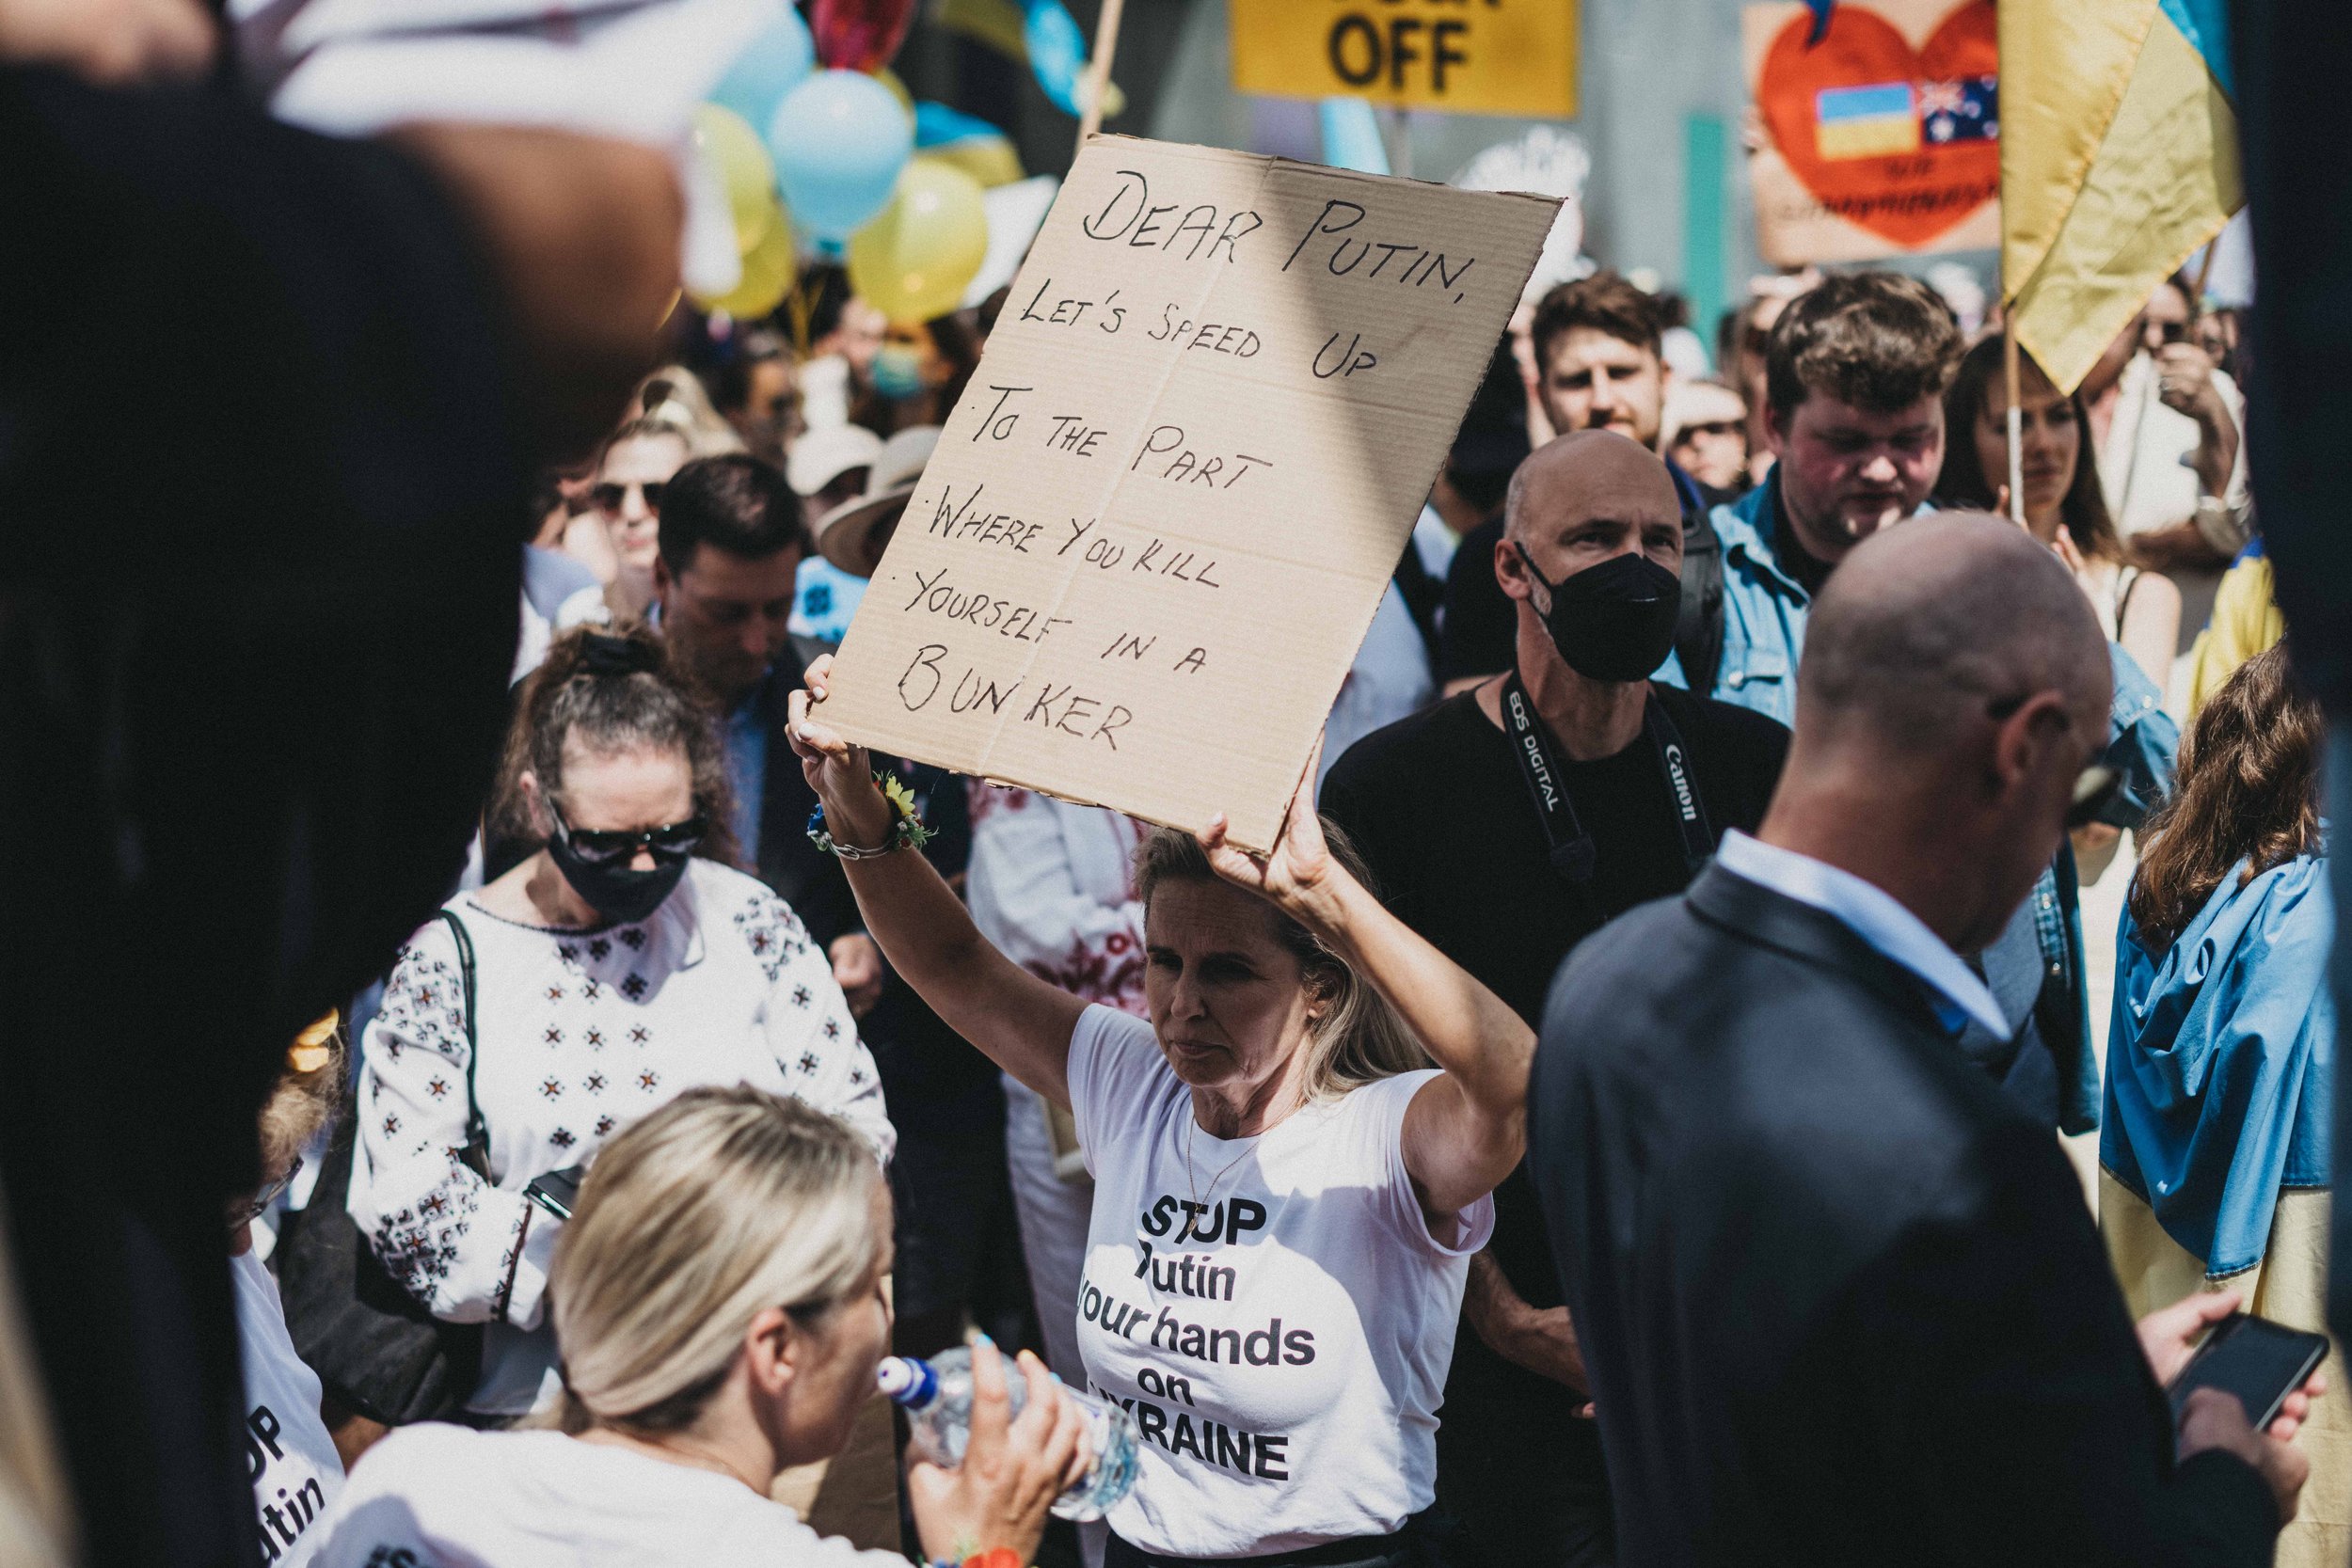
[
  {"x": 581, "y": 1033},
  {"x": 1053, "y": 886}
]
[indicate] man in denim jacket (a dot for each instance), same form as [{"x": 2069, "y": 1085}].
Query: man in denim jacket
[
  {"x": 1855, "y": 374},
  {"x": 1854, "y": 378}
]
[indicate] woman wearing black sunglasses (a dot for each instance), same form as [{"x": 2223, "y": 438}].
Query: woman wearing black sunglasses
[
  {"x": 619, "y": 965},
  {"x": 632, "y": 473}
]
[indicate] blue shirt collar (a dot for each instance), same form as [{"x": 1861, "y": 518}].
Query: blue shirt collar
[
  {"x": 1746, "y": 526},
  {"x": 1871, "y": 913}
]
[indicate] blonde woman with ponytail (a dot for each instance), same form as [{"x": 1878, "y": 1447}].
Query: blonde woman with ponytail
[
  {"x": 719, "y": 1303},
  {"x": 1287, "y": 1191}
]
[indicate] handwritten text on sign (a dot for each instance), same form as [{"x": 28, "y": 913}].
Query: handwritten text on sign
[
  {"x": 1161, "y": 517},
  {"x": 1471, "y": 57}
]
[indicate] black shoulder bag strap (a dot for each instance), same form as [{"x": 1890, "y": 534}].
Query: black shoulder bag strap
[
  {"x": 373, "y": 1345},
  {"x": 1573, "y": 853},
  {"x": 476, "y": 1152},
  {"x": 1699, "y": 626},
  {"x": 1422, "y": 594}
]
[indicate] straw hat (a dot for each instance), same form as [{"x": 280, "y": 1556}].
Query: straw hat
[{"x": 853, "y": 534}]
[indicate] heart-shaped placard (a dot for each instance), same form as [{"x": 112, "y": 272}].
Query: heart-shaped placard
[{"x": 1848, "y": 146}]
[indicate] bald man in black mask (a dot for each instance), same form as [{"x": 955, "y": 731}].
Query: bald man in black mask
[
  {"x": 1839, "y": 1297},
  {"x": 1507, "y": 824}
]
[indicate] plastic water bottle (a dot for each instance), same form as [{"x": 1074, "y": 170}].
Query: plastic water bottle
[{"x": 937, "y": 1394}]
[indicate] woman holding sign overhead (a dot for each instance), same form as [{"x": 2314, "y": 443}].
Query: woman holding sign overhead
[{"x": 1286, "y": 1193}]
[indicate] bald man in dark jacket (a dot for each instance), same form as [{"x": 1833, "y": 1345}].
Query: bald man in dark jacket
[{"x": 1839, "y": 1297}]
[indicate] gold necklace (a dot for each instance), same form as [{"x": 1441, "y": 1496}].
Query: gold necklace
[{"x": 1192, "y": 1183}]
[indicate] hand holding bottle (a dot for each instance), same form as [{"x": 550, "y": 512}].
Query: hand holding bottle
[{"x": 1012, "y": 1469}]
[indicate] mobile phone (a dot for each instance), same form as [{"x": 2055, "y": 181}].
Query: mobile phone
[
  {"x": 2259, "y": 1361},
  {"x": 556, "y": 1190}
]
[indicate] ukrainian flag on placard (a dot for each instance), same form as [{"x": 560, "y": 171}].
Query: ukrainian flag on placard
[
  {"x": 1879, "y": 121},
  {"x": 2119, "y": 159}
]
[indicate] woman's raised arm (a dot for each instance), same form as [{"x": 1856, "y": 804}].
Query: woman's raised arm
[
  {"x": 1464, "y": 1131},
  {"x": 1019, "y": 1021}
]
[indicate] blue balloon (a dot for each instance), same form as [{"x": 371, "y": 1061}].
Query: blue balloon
[
  {"x": 775, "y": 62},
  {"x": 839, "y": 140},
  {"x": 936, "y": 125},
  {"x": 1057, "y": 52}
]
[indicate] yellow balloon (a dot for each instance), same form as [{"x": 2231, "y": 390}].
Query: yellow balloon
[
  {"x": 991, "y": 160},
  {"x": 889, "y": 78},
  {"x": 734, "y": 150},
  {"x": 767, "y": 274},
  {"x": 913, "y": 261}
]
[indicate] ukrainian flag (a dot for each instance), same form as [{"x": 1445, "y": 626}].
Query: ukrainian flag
[
  {"x": 2119, "y": 159},
  {"x": 1876, "y": 122}
]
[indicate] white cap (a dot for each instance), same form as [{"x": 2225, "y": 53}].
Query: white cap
[{"x": 821, "y": 456}]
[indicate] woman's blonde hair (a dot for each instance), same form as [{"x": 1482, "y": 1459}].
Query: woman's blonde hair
[
  {"x": 674, "y": 396},
  {"x": 722, "y": 1204},
  {"x": 1360, "y": 1038},
  {"x": 306, "y": 1096}
]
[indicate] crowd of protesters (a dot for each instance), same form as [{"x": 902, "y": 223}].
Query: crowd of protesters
[
  {"x": 1048, "y": 1018},
  {"x": 1621, "y": 1119}
]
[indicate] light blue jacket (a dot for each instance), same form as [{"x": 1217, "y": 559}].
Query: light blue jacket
[
  {"x": 1764, "y": 608},
  {"x": 2143, "y": 742}
]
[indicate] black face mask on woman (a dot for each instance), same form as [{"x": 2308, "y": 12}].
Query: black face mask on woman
[
  {"x": 1613, "y": 622},
  {"x": 598, "y": 865}
]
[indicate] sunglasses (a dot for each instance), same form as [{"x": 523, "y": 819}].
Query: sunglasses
[
  {"x": 2095, "y": 787},
  {"x": 606, "y": 847},
  {"x": 2175, "y": 332},
  {"x": 608, "y": 496},
  {"x": 267, "y": 1196}
]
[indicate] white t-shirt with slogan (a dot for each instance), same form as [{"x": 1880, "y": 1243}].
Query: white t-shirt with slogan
[
  {"x": 1272, "y": 1310},
  {"x": 432, "y": 1496},
  {"x": 289, "y": 1457}
]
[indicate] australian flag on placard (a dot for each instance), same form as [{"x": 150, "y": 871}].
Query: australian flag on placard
[{"x": 1967, "y": 110}]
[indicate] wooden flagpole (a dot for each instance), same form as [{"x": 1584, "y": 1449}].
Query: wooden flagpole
[
  {"x": 2016, "y": 425},
  {"x": 2204, "y": 273},
  {"x": 1098, "y": 82}
]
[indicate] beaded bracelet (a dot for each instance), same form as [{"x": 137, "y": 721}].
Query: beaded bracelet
[
  {"x": 906, "y": 829},
  {"x": 995, "y": 1556}
]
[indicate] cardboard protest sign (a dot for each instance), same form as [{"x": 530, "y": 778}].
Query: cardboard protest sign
[
  {"x": 1157, "y": 525},
  {"x": 1881, "y": 139},
  {"x": 1498, "y": 57}
]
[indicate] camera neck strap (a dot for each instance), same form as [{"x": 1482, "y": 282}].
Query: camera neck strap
[{"x": 1573, "y": 853}]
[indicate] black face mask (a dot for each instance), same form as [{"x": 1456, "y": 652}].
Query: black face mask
[
  {"x": 621, "y": 895},
  {"x": 1613, "y": 622}
]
